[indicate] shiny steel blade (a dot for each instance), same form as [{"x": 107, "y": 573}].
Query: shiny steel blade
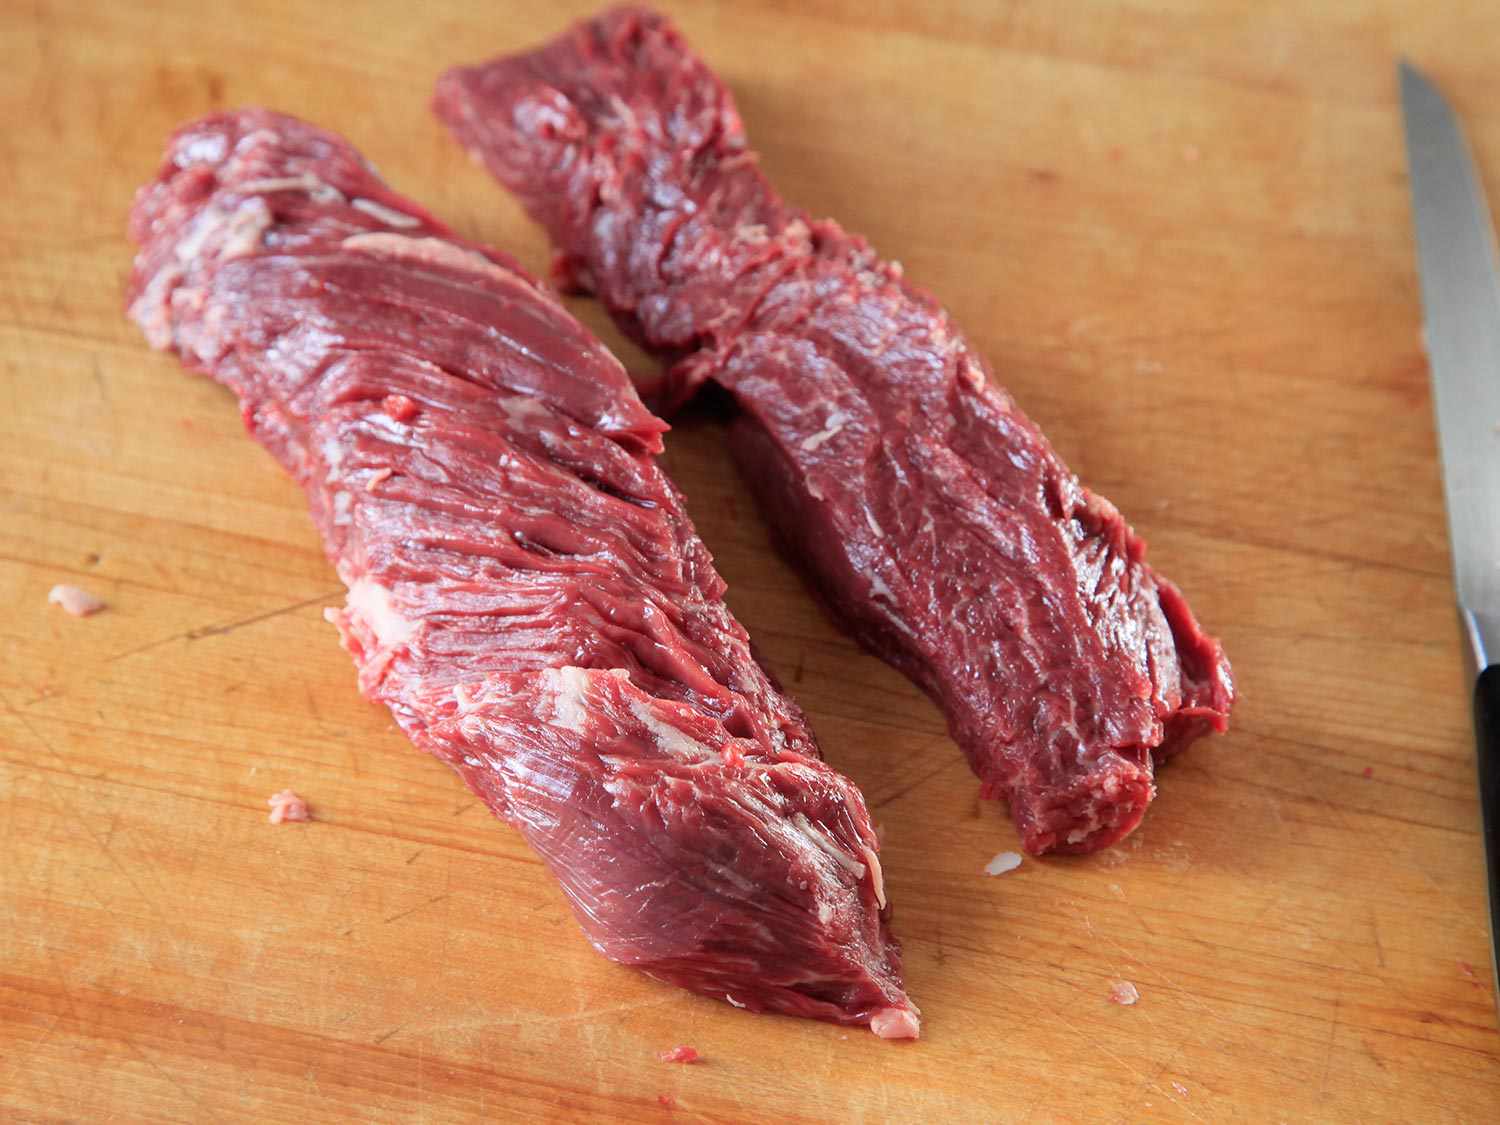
[{"x": 1456, "y": 261}]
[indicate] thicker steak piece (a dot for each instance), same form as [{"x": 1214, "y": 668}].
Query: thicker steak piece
[
  {"x": 525, "y": 591},
  {"x": 932, "y": 516}
]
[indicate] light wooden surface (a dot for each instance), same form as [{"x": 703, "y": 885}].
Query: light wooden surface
[{"x": 1180, "y": 231}]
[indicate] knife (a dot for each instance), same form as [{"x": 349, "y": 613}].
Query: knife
[{"x": 1457, "y": 264}]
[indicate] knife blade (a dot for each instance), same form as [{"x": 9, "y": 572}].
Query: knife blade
[{"x": 1460, "y": 278}]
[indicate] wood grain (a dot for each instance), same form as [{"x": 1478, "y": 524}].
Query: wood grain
[{"x": 1181, "y": 233}]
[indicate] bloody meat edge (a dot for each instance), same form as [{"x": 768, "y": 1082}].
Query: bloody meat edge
[
  {"x": 930, "y": 515},
  {"x": 525, "y": 591}
]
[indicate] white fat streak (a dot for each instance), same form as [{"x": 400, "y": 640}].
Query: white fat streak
[
  {"x": 831, "y": 428},
  {"x": 232, "y": 234},
  {"x": 798, "y": 834},
  {"x": 202, "y": 150},
  {"x": 375, "y": 607},
  {"x": 520, "y": 408},
  {"x": 318, "y": 190},
  {"x": 387, "y": 215},
  {"x": 228, "y": 230},
  {"x": 745, "y": 886},
  {"x": 431, "y": 251},
  {"x": 464, "y": 699},
  {"x": 672, "y": 741},
  {"x": 569, "y": 685},
  {"x": 878, "y": 589},
  {"x": 333, "y": 457},
  {"x": 826, "y": 844},
  {"x": 1089, "y": 827},
  {"x": 203, "y": 225},
  {"x": 873, "y": 525},
  {"x": 242, "y": 234}
]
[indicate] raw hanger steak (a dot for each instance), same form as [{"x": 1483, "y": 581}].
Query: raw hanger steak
[
  {"x": 930, "y": 514},
  {"x": 525, "y": 590}
]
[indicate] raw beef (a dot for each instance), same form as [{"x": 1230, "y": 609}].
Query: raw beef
[
  {"x": 525, "y": 591},
  {"x": 932, "y": 517}
]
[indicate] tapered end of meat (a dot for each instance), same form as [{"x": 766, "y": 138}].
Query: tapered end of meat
[
  {"x": 706, "y": 860},
  {"x": 1078, "y": 798},
  {"x": 1207, "y": 682},
  {"x": 1088, "y": 812},
  {"x": 896, "y": 1023}
]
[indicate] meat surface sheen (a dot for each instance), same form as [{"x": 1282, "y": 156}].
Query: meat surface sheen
[
  {"x": 525, "y": 590},
  {"x": 930, "y": 514}
]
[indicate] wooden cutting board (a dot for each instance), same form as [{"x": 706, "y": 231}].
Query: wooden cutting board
[{"x": 1181, "y": 233}]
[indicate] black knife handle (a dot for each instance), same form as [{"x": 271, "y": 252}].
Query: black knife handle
[{"x": 1487, "y": 734}]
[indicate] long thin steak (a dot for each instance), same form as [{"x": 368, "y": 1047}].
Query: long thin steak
[
  {"x": 526, "y": 592},
  {"x": 931, "y": 515}
]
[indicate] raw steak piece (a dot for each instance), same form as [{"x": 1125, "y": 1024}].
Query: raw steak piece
[
  {"x": 931, "y": 515},
  {"x": 525, "y": 591}
]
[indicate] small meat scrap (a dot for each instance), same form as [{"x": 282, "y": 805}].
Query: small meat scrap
[
  {"x": 681, "y": 1054},
  {"x": 666, "y": 1101},
  {"x": 399, "y": 407},
  {"x": 1124, "y": 993},
  {"x": 895, "y": 1023},
  {"x": 286, "y": 805},
  {"x": 1005, "y": 861},
  {"x": 75, "y": 601}
]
